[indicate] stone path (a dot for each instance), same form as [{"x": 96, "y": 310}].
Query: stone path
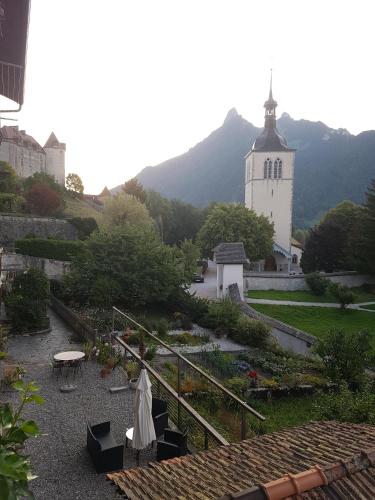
[
  {"x": 307, "y": 304},
  {"x": 59, "y": 456}
]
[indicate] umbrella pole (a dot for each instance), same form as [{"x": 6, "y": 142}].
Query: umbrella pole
[{"x": 138, "y": 452}]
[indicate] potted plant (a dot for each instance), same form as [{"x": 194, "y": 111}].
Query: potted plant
[{"x": 132, "y": 370}]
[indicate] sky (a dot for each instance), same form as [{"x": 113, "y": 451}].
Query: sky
[{"x": 131, "y": 83}]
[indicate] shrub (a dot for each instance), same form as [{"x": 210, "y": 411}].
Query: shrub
[
  {"x": 347, "y": 406},
  {"x": 222, "y": 315},
  {"x": 195, "y": 307},
  {"x": 26, "y": 303},
  {"x": 221, "y": 363},
  {"x": 43, "y": 200},
  {"x": 237, "y": 385},
  {"x": 343, "y": 294},
  {"x": 84, "y": 225},
  {"x": 346, "y": 355},
  {"x": 162, "y": 328},
  {"x": 49, "y": 248},
  {"x": 251, "y": 332},
  {"x": 150, "y": 353},
  {"x": 134, "y": 339},
  {"x": 318, "y": 284},
  {"x": 10, "y": 202}
]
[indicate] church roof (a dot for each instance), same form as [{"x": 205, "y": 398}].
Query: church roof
[
  {"x": 270, "y": 140},
  {"x": 279, "y": 249}
]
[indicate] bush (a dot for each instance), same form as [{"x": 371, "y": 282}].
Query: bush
[
  {"x": 43, "y": 200},
  {"x": 26, "y": 303},
  {"x": 347, "y": 406},
  {"x": 10, "y": 202},
  {"x": 222, "y": 315},
  {"x": 343, "y": 294},
  {"x": 317, "y": 283},
  {"x": 150, "y": 353},
  {"x": 346, "y": 355},
  {"x": 162, "y": 328},
  {"x": 50, "y": 249},
  {"x": 84, "y": 225},
  {"x": 251, "y": 332},
  {"x": 195, "y": 307},
  {"x": 237, "y": 385}
]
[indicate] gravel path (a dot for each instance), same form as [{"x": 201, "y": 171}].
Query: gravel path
[{"x": 59, "y": 456}]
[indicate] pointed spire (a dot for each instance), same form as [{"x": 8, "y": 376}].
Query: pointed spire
[{"x": 270, "y": 98}]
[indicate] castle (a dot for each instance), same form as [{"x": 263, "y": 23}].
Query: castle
[
  {"x": 269, "y": 174},
  {"x": 27, "y": 156}
]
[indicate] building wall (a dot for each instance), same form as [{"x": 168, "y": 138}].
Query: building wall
[
  {"x": 55, "y": 163},
  {"x": 232, "y": 273},
  {"x": 54, "y": 269},
  {"x": 273, "y": 281},
  {"x": 25, "y": 161},
  {"x": 271, "y": 197}
]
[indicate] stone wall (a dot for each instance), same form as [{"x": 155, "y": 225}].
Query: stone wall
[
  {"x": 55, "y": 269},
  {"x": 275, "y": 281},
  {"x": 14, "y": 228}
]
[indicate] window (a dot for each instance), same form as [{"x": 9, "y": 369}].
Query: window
[
  {"x": 267, "y": 172},
  {"x": 277, "y": 169},
  {"x": 294, "y": 259}
]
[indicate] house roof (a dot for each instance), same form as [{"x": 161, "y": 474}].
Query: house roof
[
  {"x": 230, "y": 253},
  {"x": 279, "y": 249},
  {"x": 229, "y": 469},
  {"x": 296, "y": 243},
  {"x": 13, "y": 134}
]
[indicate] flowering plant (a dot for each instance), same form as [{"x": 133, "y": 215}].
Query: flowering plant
[{"x": 252, "y": 374}]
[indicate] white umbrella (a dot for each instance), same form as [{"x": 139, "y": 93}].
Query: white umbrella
[{"x": 144, "y": 430}]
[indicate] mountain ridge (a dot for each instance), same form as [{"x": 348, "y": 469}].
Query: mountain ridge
[{"x": 331, "y": 165}]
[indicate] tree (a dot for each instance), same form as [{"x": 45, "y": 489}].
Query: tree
[
  {"x": 230, "y": 223},
  {"x": 160, "y": 210},
  {"x": 43, "y": 200},
  {"x": 346, "y": 355},
  {"x": 369, "y": 229},
  {"x": 8, "y": 178},
  {"x": 124, "y": 209},
  {"x": 342, "y": 293},
  {"x": 191, "y": 254},
  {"x": 45, "y": 179},
  {"x": 184, "y": 223},
  {"x": 131, "y": 263},
  {"x": 74, "y": 183},
  {"x": 335, "y": 244},
  {"x": 135, "y": 188}
]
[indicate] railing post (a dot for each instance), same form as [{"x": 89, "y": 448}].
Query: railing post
[
  {"x": 179, "y": 393},
  {"x": 243, "y": 423}
]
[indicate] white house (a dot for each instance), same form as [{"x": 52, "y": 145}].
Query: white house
[
  {"x": 269, "y": 175},
  {"x": 27, "y": 156},
  {"x": 229, "y": 258}
]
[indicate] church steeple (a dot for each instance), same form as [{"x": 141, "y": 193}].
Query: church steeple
[{"x": 270, "y": 105}]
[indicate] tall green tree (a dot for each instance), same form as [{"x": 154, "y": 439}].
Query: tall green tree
[
  {"x": 369, "y": 229},
  {"x": 135, "y": 188},
  {"x": 74, "y": 183},
  {"x": 184, "y": 223},
  {"x": 124, "y": 209},
  {"x": 227, "y": 223},
  {"x": 8, "y": 178},
  {"x": 129, "y": 265},
  {"x": 336, "y": 243}
]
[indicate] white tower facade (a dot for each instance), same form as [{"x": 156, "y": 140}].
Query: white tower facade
[
  {"x": 55, "y": 158},
  {"x": 269, "y": 177}
]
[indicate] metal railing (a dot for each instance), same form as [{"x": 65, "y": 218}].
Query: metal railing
[{"x": 243, "y": 409}]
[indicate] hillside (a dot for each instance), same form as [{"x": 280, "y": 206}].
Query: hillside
[{"x": 331, "y": 165}]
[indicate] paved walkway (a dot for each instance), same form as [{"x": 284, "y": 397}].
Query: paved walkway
[
  {"x": 207, "y": 289},
  {"x": 59, "y": 456},
  {"x": 308, "y": 304}
]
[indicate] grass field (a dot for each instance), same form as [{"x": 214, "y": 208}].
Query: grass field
[
  {"x": 370, "y": 306},
  {"x": 319, "y": 320},
  {"x": 306, "y": 296},
  {"x": 77, "y": 208}
]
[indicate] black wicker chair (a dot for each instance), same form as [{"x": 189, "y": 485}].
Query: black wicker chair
[
  {"x": 173, "y": 445},
  {"x": 104, "y": 451},
  {"x": 159, "y": 416}
]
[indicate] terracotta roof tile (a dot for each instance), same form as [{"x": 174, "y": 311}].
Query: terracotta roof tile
[{"x": 228, "y": 469}]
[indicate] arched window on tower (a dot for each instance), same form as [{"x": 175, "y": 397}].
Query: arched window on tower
[
  {"x": 294, "y": 259},
  {"x": 267, "y": 172},
  {"x": 278, "y": 169}
]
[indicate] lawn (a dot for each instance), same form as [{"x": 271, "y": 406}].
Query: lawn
[
  {"x": 282, "y": 412},
  {"x": 370, "y": 306},
  {"x": 307, "y": 296},
  {"x": 319, "y": 320}
]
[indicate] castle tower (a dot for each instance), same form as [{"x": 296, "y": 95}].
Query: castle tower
[
  {"x": 55, "y": 158},
  {"x": 269, "y": 185}
]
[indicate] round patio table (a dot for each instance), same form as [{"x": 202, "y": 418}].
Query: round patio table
[
  {"x": 66, "y": 357},
  {"x": 69, "y": 356}
]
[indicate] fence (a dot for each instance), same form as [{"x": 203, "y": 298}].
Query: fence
[
  {"x": 74, "y": 321},
  {"x": 187, "y": 379}
]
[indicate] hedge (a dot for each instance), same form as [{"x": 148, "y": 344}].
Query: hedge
[{"x": 49, "y": 248}]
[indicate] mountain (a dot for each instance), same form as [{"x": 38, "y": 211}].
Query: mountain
[{"x": 331, "y": 166}]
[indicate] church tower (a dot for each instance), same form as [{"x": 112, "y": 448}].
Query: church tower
[{"x": 269, "y": 185}]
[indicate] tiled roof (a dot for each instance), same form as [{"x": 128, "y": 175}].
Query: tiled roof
[
  {"x": 234, "y": 468},
  {"x": 53, "y": 142},
  {"x": 230, "y": 253},
  {"x": 296, "y": 243},
  {"x": 11, "y": 133}
]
